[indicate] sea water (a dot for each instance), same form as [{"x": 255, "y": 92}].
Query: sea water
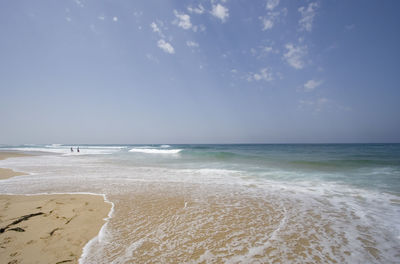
[{"x": 295, "y": 203}]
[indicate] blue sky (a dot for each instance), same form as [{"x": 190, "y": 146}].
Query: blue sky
[{"x": 206, "y": 71}]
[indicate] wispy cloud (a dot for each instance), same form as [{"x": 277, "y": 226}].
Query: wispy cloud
[
  {"x": 183, "y": 20},
  {"x": 295, "y": 55},
  {"x": 271, "y": 18},
  {"x": 267, "y": 49},
  {"x": 152, "y": 58},
  {"x": 162, "y": 44},
  {"x": 311, "y": 85},
  {"x": 68, "y": 17},
  {"x": 307, "y": 16},
  {"x": 322, "y": 103},
  {"x": 316, "y": 105},
  {"x": 220, "y": 12},
  {"x": 271, "y": 4},
  {"x": 156, "y": 28},
  {"x": 165, "y": 46},
  {"x": 138, "y": 14},
  {"x": 197, "y": 10},
  {"x": 261, "y": 52},
  {"x": 264, "y": 74},
  {"x": 267, "y": 22},
  {"x": 115, "y": 19},
  {"x": 192, "y": 44},
  {"x": 79, "y": 3}
]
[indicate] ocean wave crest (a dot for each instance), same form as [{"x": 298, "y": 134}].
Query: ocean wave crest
[{"x": 155, "y": 151}]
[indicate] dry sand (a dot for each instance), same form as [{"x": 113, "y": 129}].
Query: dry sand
[{"x": 47, "y": 228}]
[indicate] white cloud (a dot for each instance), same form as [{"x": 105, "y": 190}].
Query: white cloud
[
  {"x": 220, "y": 12},
  {"x": 198, "y": 10},
  {"x": 165, "y": 46},
  {"x": 155, "y": 28},
  {"x": 262, "y": 51},
  {"x": 68, "y": 19},
  {"x": 294, "y": 55},
  {"x": 115, "y": 19},
  {"x": 79, "y": 3},
  {"x": 183, "y": 20},
  {"x": 311, "y": 85},
  {"x": 101, "y": 17},
  {"x": 263, "y": 75},
  {"x": 271, "y": 4},
  {"x": 192, "y": 44},
  {"x": 267, "y": 49},
  {"x": 268, "y": 22},
  {"x": 307, "y": 16}
]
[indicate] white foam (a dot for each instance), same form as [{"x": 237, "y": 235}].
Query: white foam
[
  {"x": 105, "y": 147},
  {"x": 129, "y": 252},
  {"x": 155, "y": 151},
  {"x": 53, "y": 145},
  {"x": 343, "y": 207},
  {"x": 66, "y": 150},
  {"x": 101, "y": 236}
]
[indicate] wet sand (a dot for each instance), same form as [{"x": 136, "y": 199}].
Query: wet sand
[{"x": 8, "y": 173}]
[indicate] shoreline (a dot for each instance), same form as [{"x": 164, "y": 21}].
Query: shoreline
[
  {"x": 48, "y": 227},
  {"x": 6, "y": 173}
]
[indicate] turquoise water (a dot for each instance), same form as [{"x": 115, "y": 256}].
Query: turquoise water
[
  {"x": 367, "y": 166},
  {"x": 343, "y": 200},
  {"x": 370, "y": 166}
]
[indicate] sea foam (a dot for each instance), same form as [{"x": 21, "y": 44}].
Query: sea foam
[
  {"x": 66, "y": 150},
  {"x": 155, "y": 151},
  {"x": 260, "y": 210}
]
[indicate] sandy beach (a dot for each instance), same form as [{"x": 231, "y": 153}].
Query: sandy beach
[
  {"x": 47, "y": 228},
  {"x": 201, "y": 204},
  {"x": 8, "y": 173}
]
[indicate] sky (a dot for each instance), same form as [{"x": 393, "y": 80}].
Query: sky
[{"x": 204, "y": 71}]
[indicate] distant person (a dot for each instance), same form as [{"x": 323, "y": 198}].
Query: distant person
[
  {"x": 77, "y": 149},
  {"x": 72, "y": 150}
]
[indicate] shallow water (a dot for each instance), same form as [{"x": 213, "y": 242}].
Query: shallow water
[{"x": 230, "y": 203}]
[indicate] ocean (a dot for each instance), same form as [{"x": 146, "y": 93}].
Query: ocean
[{"x": 242, "y": 203}]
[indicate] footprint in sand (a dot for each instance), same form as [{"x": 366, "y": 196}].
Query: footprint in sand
[{"x": 30, "y": 242}]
